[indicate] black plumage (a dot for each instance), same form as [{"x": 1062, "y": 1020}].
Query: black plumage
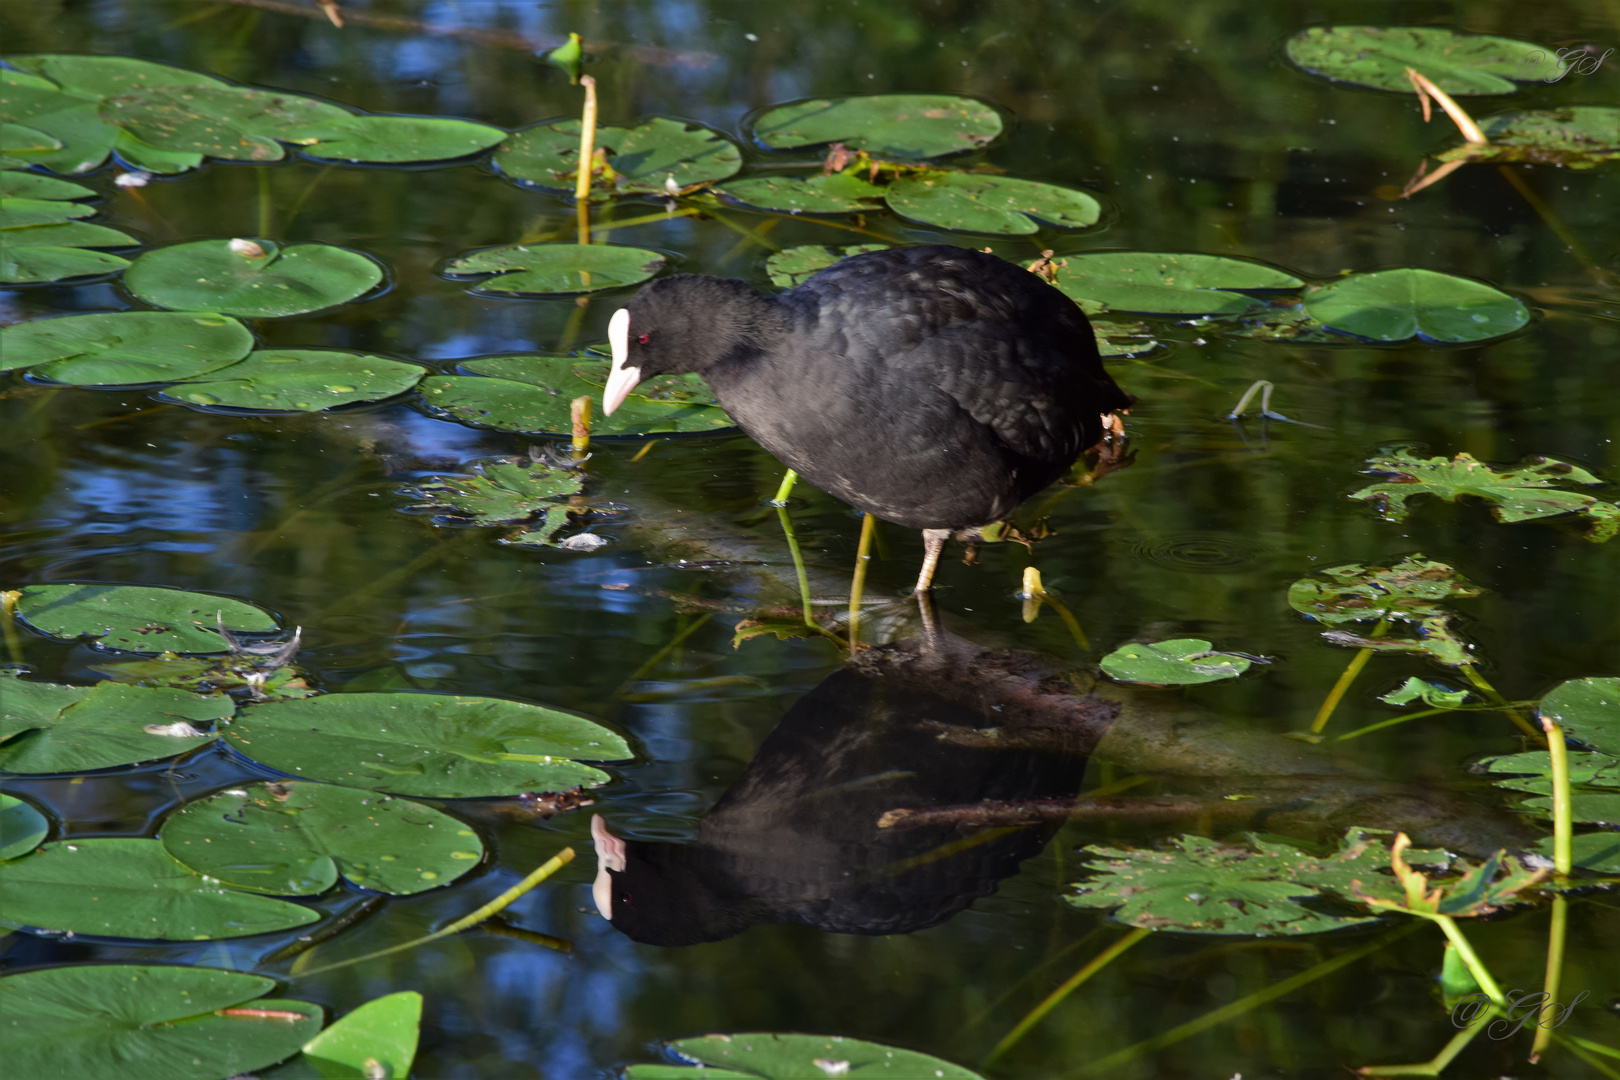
[{"x": 935, "y": 387}]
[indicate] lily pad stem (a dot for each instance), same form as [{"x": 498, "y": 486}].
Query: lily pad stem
[
  {"x": 1563, "y": 818},
  {"x": 1470, "y": 959},
  {"x": 1550, "y": 217},
  {"x": 1513, "y": 713},
  {"x": 1341, "y": 687},
  {"x": 579, "y": 416},
  {"x": 1097, "y": 963},
  {"x": 1556, "y": 933},
  {"x": 1420, "y": 714},
  {"x": 8, "y": 616},
  {"x": 1437, "y": 1064},
  {"x": 264, "y": 200},
  {"x": 857, "y": 585},
  {"x": 587, "y": 150},
  {"x": 785, "y": 489},
  {"x": 798, "y": 564}
]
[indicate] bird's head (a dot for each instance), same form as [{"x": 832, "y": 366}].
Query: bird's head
[{"x": 675, "y": 326}]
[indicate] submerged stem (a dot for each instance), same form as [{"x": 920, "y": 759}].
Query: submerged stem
[
  {"x": 1508, "y": 707},
  {"x": 857, "y": 584},
  {"x": 1357, "y": 662},
  {"x": 1096, "y": 964},
  {"x": 798, "y": 565},
  {"x": 1556, "y": 933}
]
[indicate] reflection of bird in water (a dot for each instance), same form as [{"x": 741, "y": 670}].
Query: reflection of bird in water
[
  {"x": 935, "y": 387},
  {"x": 796, "y": 838}
]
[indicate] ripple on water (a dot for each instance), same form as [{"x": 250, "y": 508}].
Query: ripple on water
[{"x": 1200, "y": 553}]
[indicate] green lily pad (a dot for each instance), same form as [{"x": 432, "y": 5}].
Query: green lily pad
[
  {"x": 267, "y": 281},
  {"x": 21, "y": 827},
  {"x": 395, "y": 139},
  {"x": 138, "y": 618},
  {"x": 63, "y": 234},
  {"x": 1117, "y": 339},
  {"x": 541, "y": 269},
  {"x": 789, "y": 268},
  {"x": 139, "y": 1022},
  {"x": 1395, "y": 305},
  {"x": 294, "y": 839},
  {"x": 377, "y": 1040},
  {"x": 104, "y": 76},
  {"x": 124, "y": 347},
  {"x": 1182, "y": 662},
  {"x": 1378, "y": 56},
  {"x": 983, "y": 203},
  {"x": 1598, "y": 851},
  {"x": 19, "y": 212},
  {"x": 148, "y": 158},
  {"x": 300, "y": 380},
  {"x": 546, "y": 531},
  {"x": 1414, "y": 591},
  {"x": 1588, "y": 710},
  {"x": 113, "y": 724},
  {"x": 1594, "y": 782},
  {"x": 235, "y": 671},
  {"x": 645, "y": 159},
  {"x": 1162, "y": 283},
  {"x": 499, "y": 491},
  {"x": 427, "y": 745},
  {"x": 19, "y": 140},
  {"x": 27, "y": 185},
  {"x": 235, "y": 123},
  {"x": 838, "y": 193},
  {"x": 1522, "y": 494},
  {"x": 885, "y": 125},
  {"x": 766, "y": 1055},
  {"x": 1433, "y": 695},
  {"x": 32, "y": 265},
  {"x": 1285, "y": 323},
  {"x": 1579, "y": 136},
  {"x": 123, "y": 887},
  {"x": 71, "y": 121},
  {"x": 533, "y": 394}
]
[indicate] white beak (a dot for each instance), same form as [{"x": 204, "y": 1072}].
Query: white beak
[{"x": 624, "y": 378}]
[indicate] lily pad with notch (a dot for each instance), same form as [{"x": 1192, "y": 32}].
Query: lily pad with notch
[
  {"x": 909, "y": 126},
  {"x": 298, "y": 380},
  {"x": 140, "y": 1022},
  {"x": 499, "y": 491},
  {"x": 296, "y": 838},
  {"x": 130, "y": 888},
  {"x": 1378, "y": 56},
  {"x": 548, "y": 269},
  {"x": 253, "y": 279},
  {"x": 427, "y": 745},
  {"x": 646, "y": 159},
  {"x": 76, "y": 139},
  {"x": 1407, "y": 302},
  {"x": 989, "y": 204},
  {"x": 1166, "y": 283},
  {"x": 837, "y": 193},
  {"x": 1579, "y": 136},
  {"x": 1181, "y": 662},
  {"x": 234, "y": 123},
  {"x": 771, "y": 1056},
  {"x": 1416, "y": 591},
  {"x": 138, "y": 618},
  {"x": 22, "y": 827},
  {"x": 105, "y": 76},
  {"x": 393, "y": 140},
  {"x": 18, "y": 211},
  {"x": 791, "y": 267},
  {"x": 68, "y": 729}
]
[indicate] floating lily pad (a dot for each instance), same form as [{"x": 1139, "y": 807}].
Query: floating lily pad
[
  {"x": 18, "y": 212},
  {"x": 21, "y": 827},
  {"x": 207, "y": 275},
  {"x": 1588, "y": 710},
  {"x": 124, "y": 347},
  {"x": 885, "y": 125},
  {"x": 395, "y": 139},
  {"x": 500, "y": 491},
  {"x": 1526, "y": 493},
  {"x": 103, "y": 76},
  {"x": 32, "y": 265},
  {"x": 546, "y": 531},
  {"x": 295, "y": 838},
  {"x": 1579, "y": 136},
  {"x": 1285, "y": 323},
  {"x": 1594, "y": 781},
  {"x": 138, "y": 618},
  {"x": 302, "y": 380},
  {"x": 1431, "y": 694},
  {"x": 237, "y": 671},
  {"x": 1161, "y": 283},
  {"x": 82, "y": 140},
  {"x": 148, "y": 158},
  {"x": 80, "y": 234},
  {"x": 111, "y": 724},
  {"x": 1378, "y": 56},
  {"x": 770, "y": 1056},
  {"x": 17, "y": 141},
  {"x": 1115, "y": 339},
  {"x": 1395, "y": 305},
  {"x": 1414, "y": 591},
  {"x": 984, "y": 203},
  {"x": 646, "y": 159},
  {"x": 838, "y": 193},
  {"x": 790, "y": 268},
  {"x": 1182, "y": 662},
  {"x": 533, "y": 393},
  {"x": 231, "y": 122},
  {"x": 145, "y": 1023},
  {"x": 123, "y": 887},
  {"x": 541, "y": 269},
  {"x": 376, "y": 1040},
  {"x": 428, "y": 745},
  {"x": 1598, "y": 851},
  {"x": 27, "y": 185}
]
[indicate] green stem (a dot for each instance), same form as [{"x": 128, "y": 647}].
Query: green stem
[
  {"x": 1555, "y": 963},
  {"x": 1370, "y": 728},
  {"x": 1470, "y": 959},
  {"x": 1491, "y": 692},
  {"x": 1357, "y": 662},
  {"x": 1585, "y": 1049},
  {"x": 798, "y": 565},
  {"x": 785, "y": 489},
  {"x": 551, "y": 866},
  {"x": 1069, "y": 620},
  {"x": 857, "y": 584},
  {"x": 1097, "y": 963},
  {"x": 1437, "y": 1064},
  {"x": 298, "y": 203},
  {"x": 658, "y": 657},
  {"x": 751, "y": 234},
  {"x": 1563, "y": 816},
  {"x": 264, "y": 201}
]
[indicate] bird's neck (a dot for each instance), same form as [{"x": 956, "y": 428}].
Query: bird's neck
[{"x": 731, "y": 324}]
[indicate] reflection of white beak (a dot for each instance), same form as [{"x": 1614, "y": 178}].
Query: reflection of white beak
[
  {"x": 624, "y": 378},
  {"x": 609, "y": 856}
]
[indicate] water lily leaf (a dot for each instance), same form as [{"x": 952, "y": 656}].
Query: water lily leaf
[
  {"x": 790, "y": 268},
  {"x": 394, "y": 139},
  {"x": 114, "y": 724},
  {"x": 19, "y": 139},
  {"x": 1395, "y": 305},
  {"x": 540, "y": 269},
  {"x": 1378, "y": 56},
  {"x": 1162, "y": 283},
  {"x": 124, "y": 347},
  {"x": 1525, "y": 493},
  {"x": 1182, "y": 662},
  {"x": 21, "y": 827},
  {"x": 547, "y": 532},
  {"x": 1594, "y": 783},
  {"x": 1598, "y": 851},
  {"x": 428, "y": 745},
  {"x": 499, "y": 491},
  {"x": 1588, "y": 710},
  {"x": 886, "y": 125},
  {"x": 148, "y": 158},
  {"x": 236, "y": 123},
  {"x": 1287, "y": 323},
  {"x": 140, "y": 1022},
  {"x": 532, "y": 394},
  {"x": 376, "y": 1040},
  {"x": 1579, "y": 136},
  {"x": 770, "y": 1056},
  {"x": 104, "y": 76},
  {"x": 71, "y": 121},
  {"x": 1414, "y": 591},
  {"x": 138, "y": 618},
  {"x": 1116, "y": 339},
  {"x": 25, "y": 704},
  {"x": 30, "y": 265},
  {"x": 838, "y": 193},
  {"x": 236, "y": 671},
  {"x": 27, "y": 185},
  {"x": 983, "y": 203},
  {"x": 295, "y": 838},
  {"x": 645, "y": 159},
  {"x": 207, "y": 275},
  {"x": 18, "y": 212},
  {"x": 1433, "y": 694},
  {"x": 124, "y": 887},
  {"x": 302, "y": 380}
]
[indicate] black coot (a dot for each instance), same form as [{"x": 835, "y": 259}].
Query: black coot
[{"x": 935, "y": 387}]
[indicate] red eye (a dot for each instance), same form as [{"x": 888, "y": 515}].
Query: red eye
[{"x": 643, "y": 339}]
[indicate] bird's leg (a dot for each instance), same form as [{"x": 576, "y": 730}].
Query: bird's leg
[{"x": 933, "y": 545}]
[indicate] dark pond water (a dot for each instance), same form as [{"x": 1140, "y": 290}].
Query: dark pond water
[{"x": 1201, "y": 136}]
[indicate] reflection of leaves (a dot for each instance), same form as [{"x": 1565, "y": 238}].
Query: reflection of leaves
[
  {"x": 641, "y": 160},
  {"x": 1182, "y": 662},
  {"x": 1588, "y": 710},
  {"x": 1122, "y": 339},
  {"x": 1395, "y": 305},
  {"x": 300, "y": 380},
  {"x": 138, "y": 618},
  {"x": 1433, "y": 694},
  {"x": 891, "y": 125},
  {"x": 769, "y": 1056},
  {"x": 1285, "y": 323},
  {"x": 500, "y": 490},
  {"x": 982, "y": 203},
  {"x": 840, "y": 193},
  {"x": 1579, "y": 136},
  {"x": 214, "y": 275},
  {"x": 1519, "y": 494},
  {"x": 540, "y": 269},
  {"x": 1378, "y": 56},
  {"x": 784, "y": 629},
  {"x": 789, "y": 269},
  {"x": 1413, "y": 591},
  {"x": 1169, "y": 284}
]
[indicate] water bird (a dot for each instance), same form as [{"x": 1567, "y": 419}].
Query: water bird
[{"x": 935, "y": 387}]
